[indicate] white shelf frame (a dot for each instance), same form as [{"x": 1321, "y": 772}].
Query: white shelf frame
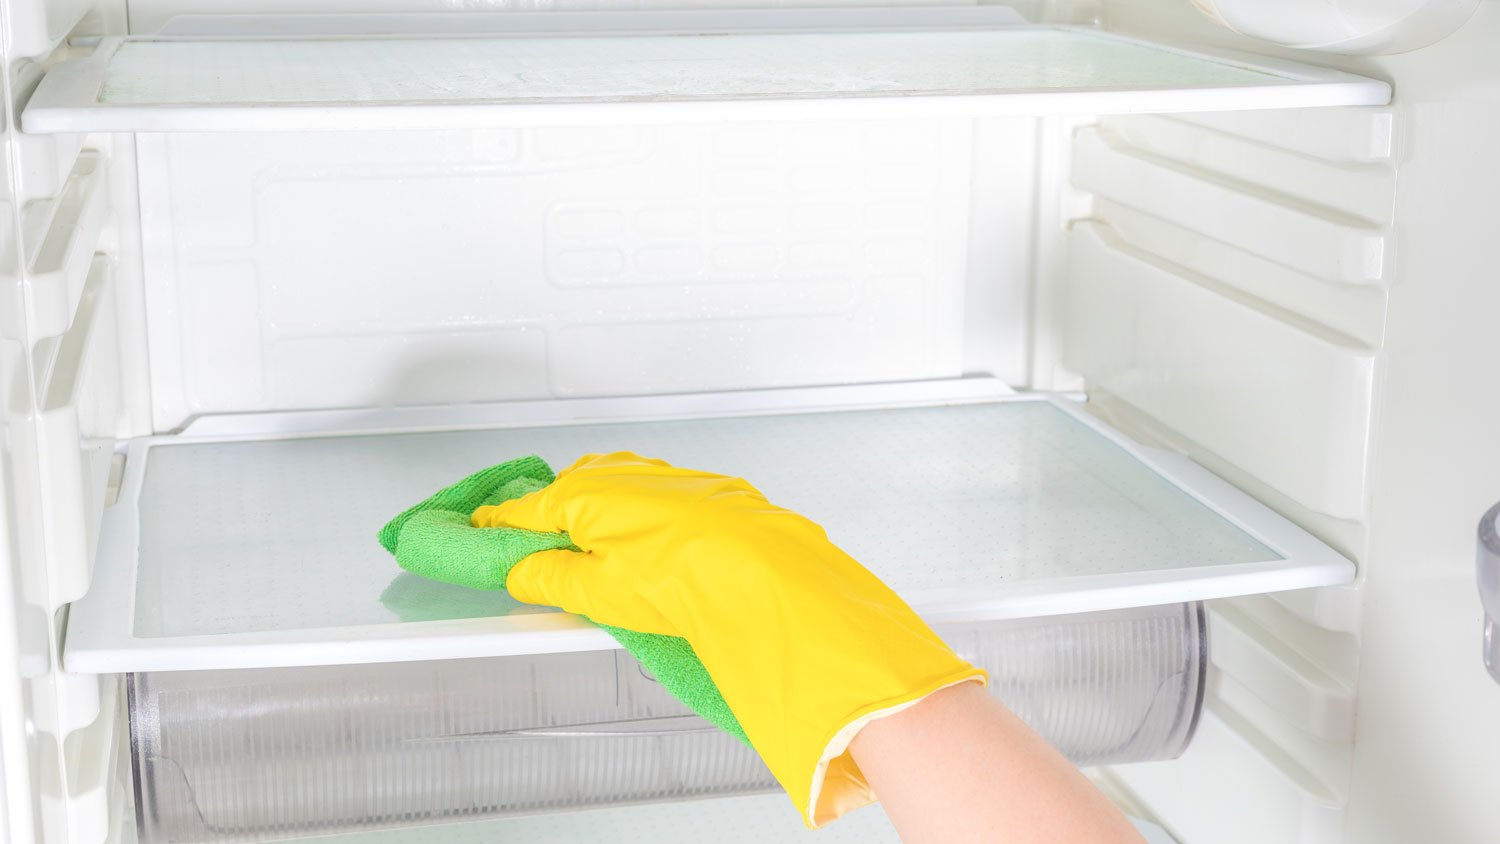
[
  {"x": 68, "y": 99},
  {"x": 101, "y": 639}
]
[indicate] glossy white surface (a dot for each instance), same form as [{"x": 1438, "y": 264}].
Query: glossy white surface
[
  {"x": 1240, "y": 245},
  {"x": 1419, "y": 761},
  {"x": 64, "y": 233},
  {"x": 74, "y": 428},
  {"x": 143, "y": 84},
  {"x": 1222, "y": 370},
  {"x": 1341, "y": 135},
  {"x": 35, "y": 28},
  {"x": 25, "y": 678},
  {"x": 1322, "y": 242},
  {"x": 1424, "y": 763},
  {"x": 325, "y": 270},
  {"x": 1285, "y": 796},
  {"x": 1343, "y": 26},
  {"x": 258, "y": 552},
  {"x": 59, "y": 400}
]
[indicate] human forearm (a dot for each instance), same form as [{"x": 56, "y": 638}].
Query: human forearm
[{"x": 960, "y": 768}]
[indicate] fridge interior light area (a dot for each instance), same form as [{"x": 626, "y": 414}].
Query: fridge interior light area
[{"x": 1141, "y": 345}]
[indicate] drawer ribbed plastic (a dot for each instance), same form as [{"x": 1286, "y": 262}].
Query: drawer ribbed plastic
[{"x": 256, "y": 754}]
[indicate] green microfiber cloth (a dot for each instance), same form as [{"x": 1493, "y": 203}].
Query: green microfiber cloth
[{"x": 434, "y": 539}]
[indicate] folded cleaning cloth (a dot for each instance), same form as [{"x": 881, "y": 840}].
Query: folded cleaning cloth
[{"x": 434, "y": 539}]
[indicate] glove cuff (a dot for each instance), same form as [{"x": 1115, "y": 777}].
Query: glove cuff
[{"x": 838, "y": 786}]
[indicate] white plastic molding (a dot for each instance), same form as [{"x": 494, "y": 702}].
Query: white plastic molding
[
  {"x": 73, "y": 486},
  {"x": 1232, "y": 370},
  {"x": 64, "y": 232},
  {"x": 36, "y": 28},
  {"x": 1319, "y": 242}
]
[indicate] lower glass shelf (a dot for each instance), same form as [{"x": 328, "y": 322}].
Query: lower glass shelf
[
  {"x": 251, "y": 542},
  {"x": 750, "y": 819}
]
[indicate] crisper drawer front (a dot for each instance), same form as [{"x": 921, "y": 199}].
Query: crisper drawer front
[{"x": 271, "y": 753}]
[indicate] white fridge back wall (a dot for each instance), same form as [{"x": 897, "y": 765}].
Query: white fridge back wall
[{"x": 369, "y": 269}]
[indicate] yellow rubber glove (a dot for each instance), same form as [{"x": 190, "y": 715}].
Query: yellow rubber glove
[{"x": 806, "y": 645}]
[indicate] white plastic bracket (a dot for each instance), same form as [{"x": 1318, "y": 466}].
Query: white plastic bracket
[{"x": 65, "y": 231}]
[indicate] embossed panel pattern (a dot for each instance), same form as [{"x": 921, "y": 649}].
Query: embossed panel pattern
[{"x": 339, "y": 270}]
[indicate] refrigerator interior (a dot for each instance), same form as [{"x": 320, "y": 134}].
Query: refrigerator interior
[{"x": 1290, "y": 297}]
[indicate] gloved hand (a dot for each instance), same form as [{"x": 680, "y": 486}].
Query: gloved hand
[
  {"x": 805, "y": 644},
  {"x": 434, "y": 539}
]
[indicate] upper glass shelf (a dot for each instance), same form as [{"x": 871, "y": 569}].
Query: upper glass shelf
[
  {"x": 257, "y": 547},
  {"x": 574, "y": 68}
]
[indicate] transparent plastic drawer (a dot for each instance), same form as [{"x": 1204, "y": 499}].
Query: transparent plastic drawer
[{"x": 259, "y": 754}]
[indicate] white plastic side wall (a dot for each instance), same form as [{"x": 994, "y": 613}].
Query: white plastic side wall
[
  {"x": 34, "y": 28},
  {"x": 1215, "y": 305},
  {"x": 61, "y": 383},
  {"x": 23, "y": 625},
  {"x": 1301, "y": 301}
]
